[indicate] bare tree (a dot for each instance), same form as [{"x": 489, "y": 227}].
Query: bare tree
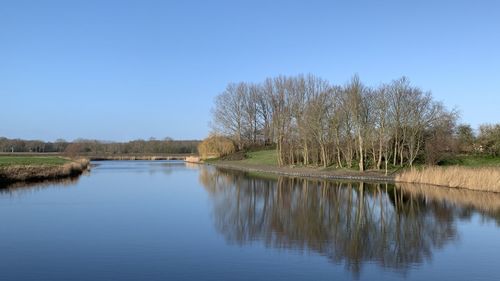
[
  {"x": 228, "y": 113},
  {"x": 357, "y": 105},
  {"x": 313, "y": 122}
]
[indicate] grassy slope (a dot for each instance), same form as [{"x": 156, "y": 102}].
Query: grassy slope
[
  {"x": 466, "y": 171},
  {"x": 6, "y": 161},
  {"x": 264, "y": 162},
  {"x": 472, "y": 161},
  {"x": 268, "y": 157},
  {"x": 262, "y": 157}
]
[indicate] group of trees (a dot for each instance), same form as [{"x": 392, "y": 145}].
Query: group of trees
[
  {"x": 313, "y": 122},
  {"x": 95, "y": 147},
  {"x": 486, "y": 141}
]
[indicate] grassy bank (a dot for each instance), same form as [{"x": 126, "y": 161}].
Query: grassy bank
[
  {"x": 261, "y": 157},
  {"x": 472, "y": 161},
  {"x": 32, "y": 168},
  {"x": 466, "y": 171},
  {"x": 264, "y": 161}
]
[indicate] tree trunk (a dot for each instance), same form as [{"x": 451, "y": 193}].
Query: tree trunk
[
  {"x": 361, "y": 154},
  {"x": 323, "y": 155},
  {"x": 306, "y": 154}
]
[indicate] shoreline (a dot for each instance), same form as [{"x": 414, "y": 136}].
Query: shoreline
[
  {"x": 368, "y": 176},
  {"x": 302, "y": 172},
  {"x": 35, "y": 173}
]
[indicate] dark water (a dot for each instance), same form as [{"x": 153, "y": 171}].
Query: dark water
[{"x": 142, "y": 220}]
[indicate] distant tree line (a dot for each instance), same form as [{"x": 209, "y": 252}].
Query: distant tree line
[
  {"x": 95, "y": 147},
  {"x": 313, "y": 122}
]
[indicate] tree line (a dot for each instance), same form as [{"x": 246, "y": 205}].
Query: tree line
[
  {"x": 96, "y": 147},
  {"x": 313, "y": 122}
]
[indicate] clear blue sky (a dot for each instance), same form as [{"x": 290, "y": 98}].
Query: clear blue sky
[{"x": 120, "y": 70}]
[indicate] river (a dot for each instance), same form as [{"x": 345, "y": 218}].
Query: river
[{"x": 168, "y": 220}]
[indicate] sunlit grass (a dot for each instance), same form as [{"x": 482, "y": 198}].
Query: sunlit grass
[
  {"x": 472, "y": 161},
  {"x": 32, "y": 161},
  {"x": 262, "y": 157}
]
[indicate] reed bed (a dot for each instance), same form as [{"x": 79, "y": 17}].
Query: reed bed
[
  {"x": 481, "y": 178},
  {"x": 15, "y": 173}
]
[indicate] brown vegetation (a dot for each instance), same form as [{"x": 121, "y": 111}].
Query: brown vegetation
[
  {"x": 216, "y": 146},
  {"x": 40, "y": 172},
  {"x": 483, "y": 178}
]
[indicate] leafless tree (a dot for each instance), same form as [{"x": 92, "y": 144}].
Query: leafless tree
[{"x": 314, "y": 123}]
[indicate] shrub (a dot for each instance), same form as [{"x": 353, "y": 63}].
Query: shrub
[{"x": 216, "y": 146}]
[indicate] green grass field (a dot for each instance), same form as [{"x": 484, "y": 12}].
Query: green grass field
[
  {"x": 261, "y": 157},
  {"x": 31, "y": 160},
  {"x": 268, "y": 157},
  {"x": 472, "y": 161}
]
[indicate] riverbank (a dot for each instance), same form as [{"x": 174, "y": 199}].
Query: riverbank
[
  {"x": 304, "y": 172},
  {"x": 476, "y": 173},
  {"x": 23, "y": 168}
]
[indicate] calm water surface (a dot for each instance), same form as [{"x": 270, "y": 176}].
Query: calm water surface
[{"x": 155, "y": 220}]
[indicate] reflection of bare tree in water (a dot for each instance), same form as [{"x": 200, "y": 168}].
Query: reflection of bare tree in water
[{"x": 350, "y": 223}]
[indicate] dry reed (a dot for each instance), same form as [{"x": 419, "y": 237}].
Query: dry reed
[
  {"x": 39, "y": 172},
  {"x": 483, "y": 179},
  {"x": 216, "y": 146}
]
